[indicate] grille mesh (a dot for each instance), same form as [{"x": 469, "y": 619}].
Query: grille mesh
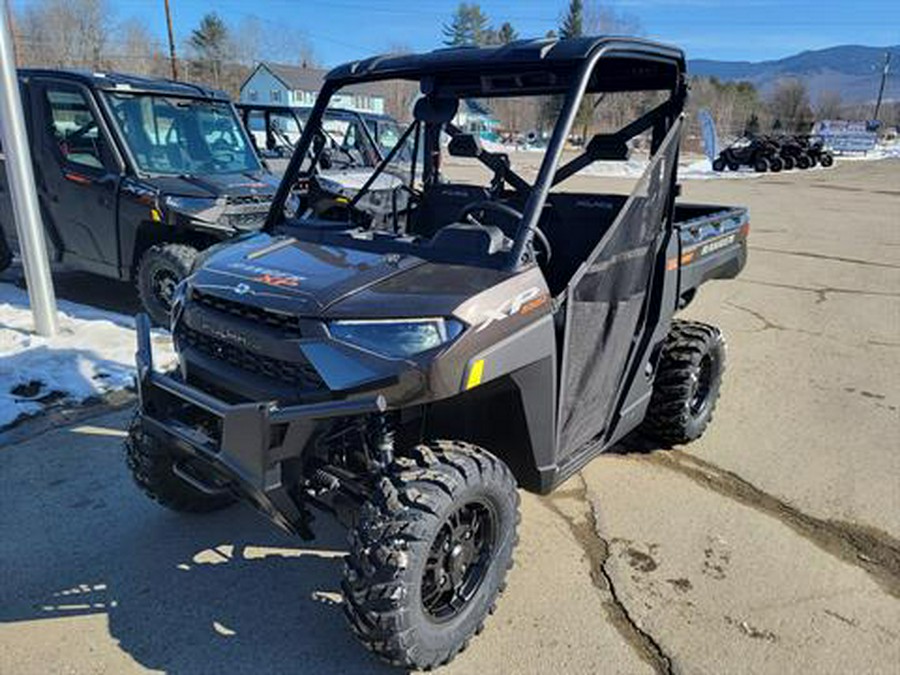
[
  {"x": 288, "y": 325},
  {"x": 299, "y": 374}
]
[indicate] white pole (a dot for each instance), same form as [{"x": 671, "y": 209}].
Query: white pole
[{"x": 20, "y": 175}]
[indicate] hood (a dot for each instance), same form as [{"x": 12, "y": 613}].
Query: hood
[
  {"x": 293, "y": 276},
  {"x": 216, "y": 185}
]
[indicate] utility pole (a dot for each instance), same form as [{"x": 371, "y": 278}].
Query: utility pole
[
  {"x": 884, "y": 74},
  {"x": 172, "y": 60},
  {"x": 20, "y": 175},
  {"x": 12, "y": 32}
]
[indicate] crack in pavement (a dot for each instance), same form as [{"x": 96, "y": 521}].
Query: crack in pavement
[
  {"x": 874, "y": 551},
  {"x": 596, "y": 548},
  {"x": 821, "y": 293},
  {"x": 822, "y": 256},
  {"x": 767, "y": 324}
]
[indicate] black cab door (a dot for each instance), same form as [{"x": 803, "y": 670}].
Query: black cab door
[
  {"x": 606, "y": 305},
  {"x": 79, "y": 175}
]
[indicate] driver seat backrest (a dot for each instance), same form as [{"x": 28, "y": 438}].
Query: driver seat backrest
[
  {"x": 440, "y": 205},
  {"x": 574, "y": 224}
]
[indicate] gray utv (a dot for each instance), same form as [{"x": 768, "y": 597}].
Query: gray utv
[{"x": 408, "y": 357}]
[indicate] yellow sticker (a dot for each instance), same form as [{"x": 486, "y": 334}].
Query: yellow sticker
[
  {"x": 475, "y": 373},
  {"x": 155, "y": 215}
]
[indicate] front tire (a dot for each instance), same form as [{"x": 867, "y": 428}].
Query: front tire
[
  {"x": 430, "y": 554},
  {"x": 687, "y": 384},
  {"x": 161, "y": 269},
  {"x": 153, "y": 468}
]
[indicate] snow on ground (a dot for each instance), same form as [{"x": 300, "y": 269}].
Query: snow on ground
[{"x": 92, "y": 354}]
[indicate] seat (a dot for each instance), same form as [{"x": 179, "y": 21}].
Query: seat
[{"x": 439, "y": 206}]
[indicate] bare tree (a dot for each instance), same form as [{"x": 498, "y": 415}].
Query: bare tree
[
  {"x": 66, "y": 33},
  {"x": 790, "y": 105},
  {"x": 601, "y": 19},
  {"x": 247, "y": 40},
  {"x": 829, "y": 106}
]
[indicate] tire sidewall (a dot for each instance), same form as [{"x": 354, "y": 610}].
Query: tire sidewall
[
  {"x": 697, "y": 422},
  {"x": 175, "y": 258},
  {"x": 437, "y": 637}
]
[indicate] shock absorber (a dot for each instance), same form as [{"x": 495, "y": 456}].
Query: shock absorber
[{"x": 382, "y": 432}]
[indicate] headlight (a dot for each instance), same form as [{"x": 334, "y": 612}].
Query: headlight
[
  {"x": 397, "y": 338},
  {"x": 202, "y": 208}
]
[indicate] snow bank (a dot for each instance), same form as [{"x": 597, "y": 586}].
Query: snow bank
[{"x": 92, "y": 354}]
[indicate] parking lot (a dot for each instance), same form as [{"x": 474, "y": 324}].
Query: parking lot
[{"x": 770, "y": 546}]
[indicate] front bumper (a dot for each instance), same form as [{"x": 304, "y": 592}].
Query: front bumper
[{"x": 244, "y": 445}]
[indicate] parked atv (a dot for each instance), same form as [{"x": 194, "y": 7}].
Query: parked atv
[
  {"x": 759, "y": 153},
  {"x": 136, "y": 176},
  {"x": 409, "y": 379},
  {"x": 815, "y": 149}
]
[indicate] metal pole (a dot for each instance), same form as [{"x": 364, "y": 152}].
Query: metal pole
[
  {"x": 884, "y": 74},
  {"x": 20, "y": 176},
  {"x": 172, "y": 60}
]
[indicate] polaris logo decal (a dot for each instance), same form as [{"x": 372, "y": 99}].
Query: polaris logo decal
[{"x": 524, "y": 303}]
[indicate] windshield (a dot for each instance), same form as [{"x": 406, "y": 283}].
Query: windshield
[{"x": 172, "y": 135}]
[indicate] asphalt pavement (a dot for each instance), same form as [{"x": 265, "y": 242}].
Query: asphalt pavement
[{"x": 772, "y": 545}]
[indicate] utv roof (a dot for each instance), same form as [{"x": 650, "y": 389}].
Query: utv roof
[
  {"x": 645, "y": 59},
  {"x": 299, "y": 109},
  {"x": 123, "y": 82}
]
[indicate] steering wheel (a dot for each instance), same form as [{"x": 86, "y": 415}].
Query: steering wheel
[{"x": 506, "y": 210}]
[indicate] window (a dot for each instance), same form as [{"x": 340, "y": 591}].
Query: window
[
  {"x": 75, "y": 128},
  {"x": 275, "y": 95},
  {"x": 173, "y": 135},
  {"x": 253, "y": 95}
]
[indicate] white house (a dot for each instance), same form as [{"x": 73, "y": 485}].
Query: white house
[{"x": 280, "y": 84}]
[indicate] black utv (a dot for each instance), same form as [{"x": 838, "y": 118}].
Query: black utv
[
  {"x": 135, "y": 176},
  {"x": 498, "y": 331}
]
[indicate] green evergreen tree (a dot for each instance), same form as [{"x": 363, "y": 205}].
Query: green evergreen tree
[
  {"x": 211, "y": 41},
  {"x": 573, "y": 22},
  {"x": 468, "y": 26}
]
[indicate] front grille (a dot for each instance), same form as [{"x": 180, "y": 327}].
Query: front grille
[
  {"x": 297, "y": 374},
  {"x": 287, "y": 325},
  {"x": 244, "y": 200},
  {"x": 246, "y": 220}
]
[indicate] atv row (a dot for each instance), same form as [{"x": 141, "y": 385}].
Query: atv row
[{"x": 774, "y": 153}]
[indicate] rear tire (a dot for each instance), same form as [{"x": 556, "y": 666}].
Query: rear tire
[
  {"x": 789, "y": 163},
  {"x": 688, "y": 379},
  {"x": 718, "y": 164},
  {"x": 152, "y": 467},
  {"x": 761, "y": 165},
  {"x": 804, "y": 162},
  {"x": 827, "y": 159},
  {"x": 161, "y": 269},
  {"x": 776, "y": 165},
  {"x": 430, "y": 554}
]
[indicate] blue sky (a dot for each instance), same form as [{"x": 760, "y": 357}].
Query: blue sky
[{"x": 343, "y": 30}]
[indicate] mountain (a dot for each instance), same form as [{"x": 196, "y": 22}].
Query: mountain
[{"x": 853, "y": 71}]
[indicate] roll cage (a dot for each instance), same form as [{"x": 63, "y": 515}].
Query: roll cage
[{"x": 570, "y": 69}]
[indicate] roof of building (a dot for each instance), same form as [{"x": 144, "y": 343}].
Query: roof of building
[
  {"x": 302, "y": 78},
  {"x": 123, "y": 81}
]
